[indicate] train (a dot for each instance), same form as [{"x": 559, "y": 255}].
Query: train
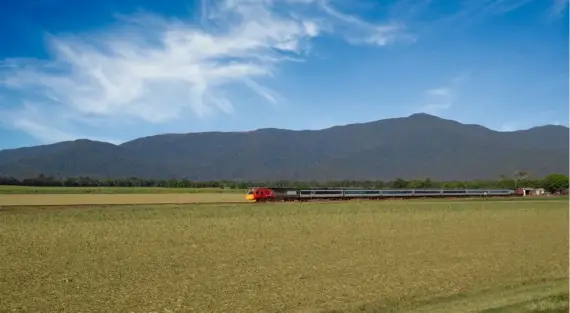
[{"x": 273, "y": 194}]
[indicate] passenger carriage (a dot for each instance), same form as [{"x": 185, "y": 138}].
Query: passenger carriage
[{"x": 264, "y": 194}]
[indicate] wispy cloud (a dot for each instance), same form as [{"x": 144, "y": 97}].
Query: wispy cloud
[
  {"x": 472, "y": 12},
  {"x": 443, "y": 97},
  {"x": 437, "y": 101},
  {"x": 557, "y": 8},
  {"x": 504, "y": 6},
  {"x": 358, "y": 31},
  {"x": 27, "y": 117},
  {"x": 154, "y": 69},
  {"x": 440, "y": 92}
]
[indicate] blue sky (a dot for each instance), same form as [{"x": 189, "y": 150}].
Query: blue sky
[{"x": 118, "y": 70}]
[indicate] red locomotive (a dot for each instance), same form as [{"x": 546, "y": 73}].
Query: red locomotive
[{"x": 260, "y": 195}]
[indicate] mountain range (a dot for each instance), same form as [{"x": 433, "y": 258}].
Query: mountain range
[{"x": 413, "y": 147}]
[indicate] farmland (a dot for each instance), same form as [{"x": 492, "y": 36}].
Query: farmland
[
  {"x": 369, "y": 256},
  {"x": 114, "y": 199},
  {"x": 32, "y": 196},
  {"x": 110, "y": 190}
]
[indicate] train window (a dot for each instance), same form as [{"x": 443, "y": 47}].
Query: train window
[
  {"x": 498, "y": 191},
  {"x": 361, "y": 192},
  {"x": 396, "y": 192},
  {"x": 328, "y": 192},
  {"x": 354, "y": 192},
  {"x": 423, "y": 192},
  {"x": 455, "y": 191}
]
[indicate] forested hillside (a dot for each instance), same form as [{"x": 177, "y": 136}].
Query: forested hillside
[{"x": 414, "y": 147}]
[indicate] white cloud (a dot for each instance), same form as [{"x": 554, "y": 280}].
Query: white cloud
[
  {"x": 438, "y": 99},
  {"x": 268, "y": 94},
  {"x": 474, "y": 12},
  {"x": 441, "y": 91},
  {"x": 505, "y": 6},
  {"x": 443, "y": 97},
  {"x": 26, "y": 119},
  {"x": 153, "y": 69},
  {"x": 358, "y": 31}
]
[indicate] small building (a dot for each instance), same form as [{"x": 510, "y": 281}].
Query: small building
[{"x": 533, "y": 192}]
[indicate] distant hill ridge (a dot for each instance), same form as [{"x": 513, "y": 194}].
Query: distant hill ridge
[{"x": 413, "y": 147}]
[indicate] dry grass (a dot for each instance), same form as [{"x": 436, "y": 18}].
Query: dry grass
[
  {"x": 97, "y": 199},
  {"x": 109, "y": 190},
  {"x": 368, "y": 256},
  {"x": 80, "y": 199}
]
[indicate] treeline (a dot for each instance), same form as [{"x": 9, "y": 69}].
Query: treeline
[{"x": 553, "y": 183}]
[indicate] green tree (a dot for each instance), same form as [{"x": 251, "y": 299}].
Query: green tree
[
  {"x": 400, "y": 183},
  {"x": 555, "y": 183},
  {"x": 427, "y": 183}
]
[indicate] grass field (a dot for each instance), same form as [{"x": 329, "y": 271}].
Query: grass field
[
  {"x": 486, "y": 256},
  {"x": 190, "y": 196},
  {"x": 110, "y": 190},
  {"x": 98, "y": 199}
]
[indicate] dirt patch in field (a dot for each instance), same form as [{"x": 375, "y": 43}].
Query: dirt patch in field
[{"x": 86, "y": 199}]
